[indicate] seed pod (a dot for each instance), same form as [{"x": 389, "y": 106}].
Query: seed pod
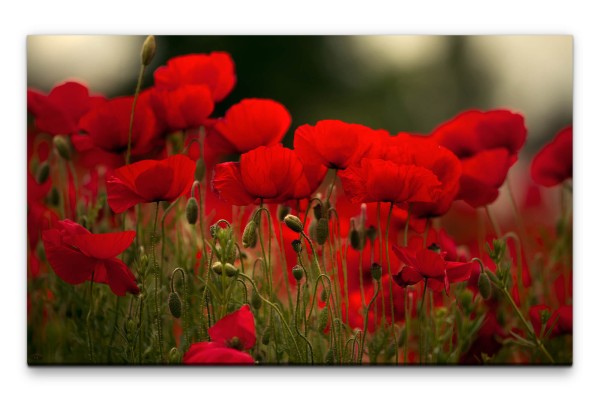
[
  {"x": 298, "y": 272},
  {"x": 175, "y": 305},
  {"x": 293, "y": 223},
  {"x": 485, "y": 286},
  {"x": 249, "y": 236},
  {"x": 256, "y": 300},
  {"x": 322, "y": 230},
  {"x": 376, "y": 271},
  {"x": 323, "y": 319},
  {"x": 191, "y": 211},
  {"x": 148, "y": 50},
  {"x": 282, "y": 211},
  {"x": 62, "y": 147},
  {"x": 230, "y": 270},
  {"x": 200, "y": 170},
  {"x": 43, "y": 172},
  {"x": 297, "y": 245}
]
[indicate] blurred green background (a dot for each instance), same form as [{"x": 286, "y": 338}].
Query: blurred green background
[{"x": 399, "y": 83}]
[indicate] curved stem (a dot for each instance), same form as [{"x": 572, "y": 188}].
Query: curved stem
[
  {"x": 364, "y": 335},
  {"x": 138, "y": 87}
]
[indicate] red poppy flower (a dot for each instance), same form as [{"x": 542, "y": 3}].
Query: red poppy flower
[
  {"x": 419, "y": 265},
  {"x": 106, "y": 129},
  {"x": 376, "y": 180},
  {"x": 149, "y": 181},
  {"x": 58, "y": 113},
  {"x": 554, "y": 163},
  {"x": 272, "y": 174},
  {"x": 215, "y": 70},
  {"x": 253, "y": 123},
  {"x": 335, "y": 144},
  {"x": 187, "y": 106},
  {"x": 76, "y": 255},
  {"x": 487, "y": 144},
  {"x": 230, "y": 337},
  {"x": 422, "y": 151}
]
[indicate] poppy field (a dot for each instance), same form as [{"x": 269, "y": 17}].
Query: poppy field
[{"x": 163, "y": 232}]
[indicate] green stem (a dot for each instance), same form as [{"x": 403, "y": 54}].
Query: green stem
[
  {"x": 138, "y": 87},
  {"x": 380, "y": 236},
  {"x": 157, "y": 317},
  {"x": 421, "y": 322},
  {"x": 88, "y": 323},
  {"x": 366, "y": 324},
  {"x": 389, "y": 263}
]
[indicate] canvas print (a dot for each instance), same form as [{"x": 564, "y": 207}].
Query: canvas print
[{"x": 299, "y": 200}]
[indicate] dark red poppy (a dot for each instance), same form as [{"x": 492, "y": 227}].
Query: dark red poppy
[
  {"x": 423, "y": 152},
  {"x": 230, "y": 336},
  {"x": 376, "y": 180},
  {"x": 335, "y": 144},
  {"x": 272, "y": 174},
  {"x": 420, "y": 265},
  {"x": 215, "y": 70},
  {"x": 58, "y": 113},
  {"x": 487, "y": 144},
  {"x": 253, "y": 123},
  {"x": 76, "y": 255},
  {"x": 106, "y": 130},
  {"x": 187, "y": 106},
  {"x": 554, "y": 163},
  {"x": 149, "y": 181}
]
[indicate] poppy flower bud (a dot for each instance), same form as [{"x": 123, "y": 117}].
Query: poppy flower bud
[
  {"x": 318, "y": 211},
  {"x": 356, "y": 239},
  {"x": 322, "y": 230},
  {"x": 298, "y": 272},
  {"x": 282, "y": 211},
  {"x": 174, "y": 355},
  {"x": 465, "y": 300},
  {"x": 485, "y": 286},
  {"x": 148, "y": 50},
  {"x": 297, "y": 245},
  {"x": 54, "y": 197},
  {"x": 43, "y": 172},
  {"x": 217, "y": 268},
  {"x": 200, "y": 170},
  {"x": 267, "y": 336},
  {"x": 293, "y": 223},
  {"x": 61, "y": 144},
  {"x": 191, "y": 211},
  {"x": 545, "y": 316},
  {"x": 324, "y": 295},
  {"x": 230, "y": 270},
  {"x": 256, "y": 300},
  {"x": 175, "y": 305},
  {"x": 371, "y": 234},
  {"x": 323, "y": 319},
  {"x": 249, "y": 236},
  {"x": 376, "y": 271}
]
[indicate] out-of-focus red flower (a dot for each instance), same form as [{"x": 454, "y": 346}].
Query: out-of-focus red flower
[
  {"x": 187, "y": 106},
  {"x": 106, "y": 131},
  {"x": 423, "y": 152},
  {"x": 215, "y": 70},
  {"x": 76, "y": 255},
  {"x": 554, "y": 163},
  {"x": 149, "y": 181},
  {"x": 487, "y": 144},
  {"x": 376, "y": 180},
  {"x": 253, "y": 123},
  {"x": 420, "y": 265},
  {"x": 559, "y": 322},
  {"x": 58, "y": 113},
  {"x": 272, "y": 174},
  {"x": 335, "y": 144},
  {"x": 230, "y": 337}
]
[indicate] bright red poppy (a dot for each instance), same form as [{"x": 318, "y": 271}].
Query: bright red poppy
[
  {"x": 254, "y": 122},
  {"x": 335, "y": 144},
  {"x": 215, "y": 70},
  {"x": 272, "y": 174},
  {"x": 376, "y": 180},
  {"x": 58, "y": 113},
  {"x": 554, "y": 163},
  {"x": 149, "y": 181},
  {"x": 230, "y": 336},
  {"x": 106, "y": 130},
  {"x": 487, "y": 144},
  {"x": 76, "y": 255},
  {"x": 187, "y": 106}
]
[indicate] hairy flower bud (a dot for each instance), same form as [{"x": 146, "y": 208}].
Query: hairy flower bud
[
  {"x": 323, "y": 319},
  {"x": 191, "y": 211},
  {"x": 376, "y": 271},
  {"x": 298, "y": 272},
  {"x": 297, "y": 245},
  {"x": 485, "y": 286},
  {"x": 148, "y": 50},
  {"x": 282, "y": 211},
  {"x": 230, "y": 270},
  {"x": 43, "y": 172},
  {"x": 249, "y": 236},
  {"x": 324, "y": 295},
  {"x": 371, "y": 234},
  {"x": 357, "y": 241},
  {"x": 175, "y": 305},
  {"x": 322, "y": 230},
  {"x": 217, "y": 268},
  {"x": 293, "y": 223},
  {"x": 256, "y": 300},
  {"x": 54, "y": 197},
  {"x": 200, "y": 170},
  {"x": 318, "y": 211},
  {"x": 174, "y": 355},
  {"x": 61, "y": 144}
]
